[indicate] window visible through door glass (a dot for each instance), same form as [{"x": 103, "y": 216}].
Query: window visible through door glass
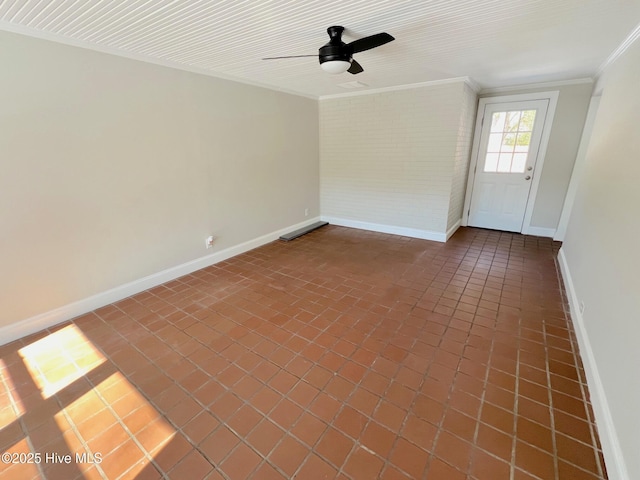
[{"x": 509, "y": 141}]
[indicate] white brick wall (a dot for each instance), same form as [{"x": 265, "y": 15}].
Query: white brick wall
[
  {"x": 391, "y": 158},
  {"x": 462, "y": 155}
]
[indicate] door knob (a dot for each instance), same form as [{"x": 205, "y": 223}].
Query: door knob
[{"x": 528, "y": 177}]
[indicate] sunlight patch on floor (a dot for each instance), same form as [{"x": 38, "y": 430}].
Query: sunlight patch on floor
[{"x": 59, "y": 359}]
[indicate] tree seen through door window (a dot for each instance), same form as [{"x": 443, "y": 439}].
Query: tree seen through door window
[{"x": 509, "y": 141}]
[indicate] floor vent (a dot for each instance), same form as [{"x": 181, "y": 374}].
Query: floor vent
[{"x": 301, "y": 231}]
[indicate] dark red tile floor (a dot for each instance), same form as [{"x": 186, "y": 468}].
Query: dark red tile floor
[{"x": 343, "y": 354}]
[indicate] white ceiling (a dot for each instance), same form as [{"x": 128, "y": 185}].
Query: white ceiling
[{"x": 495, "y": 43}]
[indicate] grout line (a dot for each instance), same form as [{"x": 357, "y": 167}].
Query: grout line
[
  {"x": 500, "y": 260},
  {"x": 515, "y": 411},
  {"x": 551, "y": 410},
  {"x": 582, "y": 381}
]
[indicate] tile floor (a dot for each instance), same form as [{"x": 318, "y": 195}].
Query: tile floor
[{"x": 343, "y": 354}]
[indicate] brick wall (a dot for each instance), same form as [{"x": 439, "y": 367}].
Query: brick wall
[
  {"x": 397, "y": 158},
  {"x": 462, "y": 155}
]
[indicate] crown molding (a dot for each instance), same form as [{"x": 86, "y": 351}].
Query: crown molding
[
  {"x": 28, "y": 32},
  {"x": 531, "y": 86},
  {"x": 633, "y": 36},
  {"x": 475, "y": 86},
  {"x": 410, "y": 86}
]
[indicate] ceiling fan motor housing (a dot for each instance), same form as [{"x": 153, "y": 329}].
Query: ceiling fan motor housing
[
  {"x": 337, "y": 57},
  {"x": 336, "y": 49}
]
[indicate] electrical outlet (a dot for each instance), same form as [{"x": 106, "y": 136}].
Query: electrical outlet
[
  {"x": 306, "y": 212},
  {"x": 209, "y": 241}
]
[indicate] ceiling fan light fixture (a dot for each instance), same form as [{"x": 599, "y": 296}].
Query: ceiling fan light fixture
[
  {"x": 337, "y": 57},
  {"x": 335, "y": 66}
]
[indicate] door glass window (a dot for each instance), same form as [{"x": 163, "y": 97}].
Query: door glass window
[{"x": 509, "y": 141}]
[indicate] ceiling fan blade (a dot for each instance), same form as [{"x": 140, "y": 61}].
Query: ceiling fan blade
[
  {"x": 367, "y": 43},
  {"x": 289, "y": 56},
  {"x": 355, "y": 68}
]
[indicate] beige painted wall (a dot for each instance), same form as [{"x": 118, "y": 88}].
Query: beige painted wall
[
  {"x": 113, "y": 169},
  {"x": 601, "y": 252},
  {"x": 389, "y": 158},
  {"x": 571, "y": 112}
]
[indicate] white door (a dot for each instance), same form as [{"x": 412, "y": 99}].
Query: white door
[{"x": 509, "y": 145}]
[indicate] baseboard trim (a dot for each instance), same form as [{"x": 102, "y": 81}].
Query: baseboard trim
[
  {"x": 394, "y": 230},
  {"x": 616, "y": 467},
  {"x": 53, "y": 317},
  {"x": 540, "y": 231},
  {"x": 453, "y": 229}
]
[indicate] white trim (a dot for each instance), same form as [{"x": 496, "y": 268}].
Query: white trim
[
  {"x": 475, "y": 146},
  {"x": 453, "y": 229},
  {"x": 472, "y": 84},
  {"x": 578, "y": 169},
  {"x": 598, "y": 87},
  {"x": 22, "y": 30},
  {"x": 67, "y": 312},
  {"x": 475, "y": 86},
  {"x": 552, "y": 96},
  {"x": 394, "y": 230},
  {"x": 539, "y": 231},
  {"x": 530, "y": 86},
  {"x": 544, "y": 143},
  {"x": 602, "y": 70},
  {"x": 632, "y": 37},
  {"x": 616, "y": 467}
]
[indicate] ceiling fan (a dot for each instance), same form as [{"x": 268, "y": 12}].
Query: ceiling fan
[{"x": 337, "y": 56}]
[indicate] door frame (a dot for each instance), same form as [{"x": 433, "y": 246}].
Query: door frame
[{"x": 552, "y": 96}]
